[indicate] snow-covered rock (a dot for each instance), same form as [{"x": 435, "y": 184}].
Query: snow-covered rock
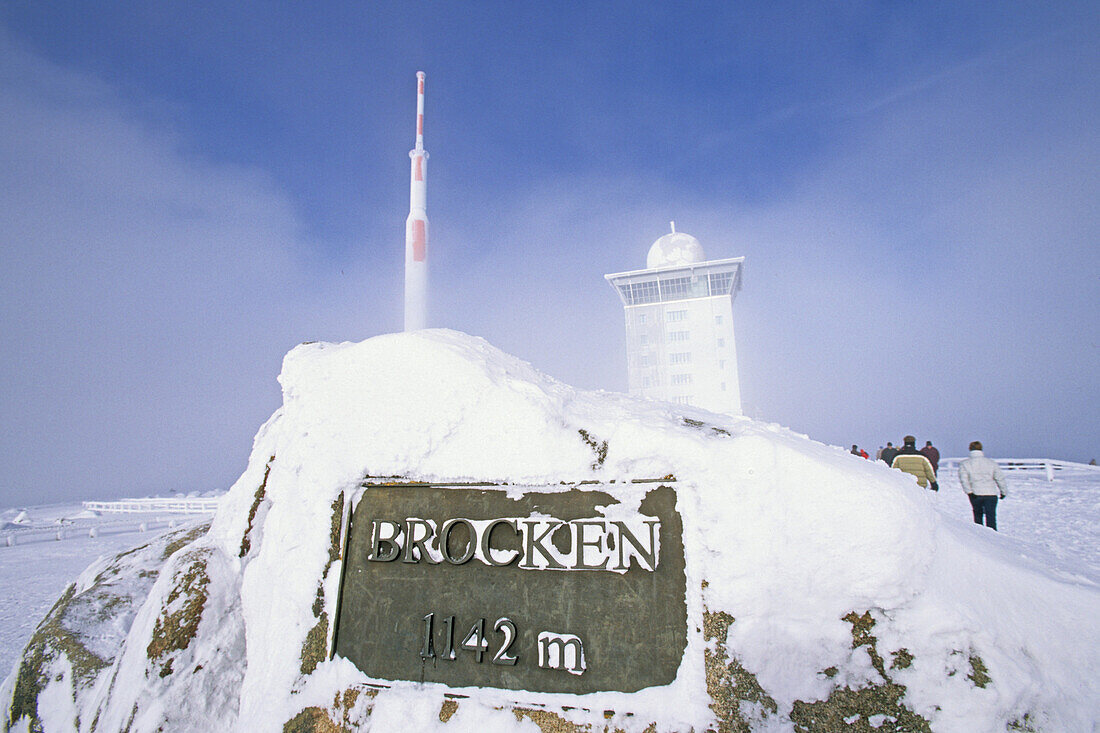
[{"x": 824, "y": 592}]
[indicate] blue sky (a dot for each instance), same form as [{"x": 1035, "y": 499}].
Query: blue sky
[{"x": 186, "y": 193}]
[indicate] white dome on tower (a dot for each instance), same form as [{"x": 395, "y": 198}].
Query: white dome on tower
[{"x": 675, "y": 248}]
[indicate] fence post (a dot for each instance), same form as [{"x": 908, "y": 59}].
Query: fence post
[{"x": 1050, "y": 471}]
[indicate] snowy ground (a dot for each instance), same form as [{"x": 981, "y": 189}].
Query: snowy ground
[
  {"x": 1054, "y": 523},
  {"x": 35, "y": 570}
]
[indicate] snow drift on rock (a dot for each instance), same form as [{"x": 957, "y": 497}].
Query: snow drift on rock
[{"x": 800, "y": 547}]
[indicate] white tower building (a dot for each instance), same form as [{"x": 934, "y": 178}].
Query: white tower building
[
  {"x": 416, "y": 225},
  {"x": 679, "y": 325}
]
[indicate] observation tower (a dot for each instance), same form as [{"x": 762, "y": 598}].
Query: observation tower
[{"x": 679, "y": 325}]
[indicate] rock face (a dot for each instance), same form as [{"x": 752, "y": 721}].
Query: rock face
[{"x": 824, "y": 592}]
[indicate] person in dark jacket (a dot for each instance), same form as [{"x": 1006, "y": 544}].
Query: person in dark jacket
[
  {"x": 930, "y": 452},
  {"x": 889, "y": 453},
  {"x": 910, "y": 460}
]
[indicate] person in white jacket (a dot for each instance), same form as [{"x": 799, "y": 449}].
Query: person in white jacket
[{"x": 983, "y": 481}]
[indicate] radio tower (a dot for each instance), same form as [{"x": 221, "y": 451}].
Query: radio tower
[{"x": 416, "y": 226}]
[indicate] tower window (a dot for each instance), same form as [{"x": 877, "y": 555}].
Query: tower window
[
  {"x": 720, "y": 282},
  {"x": 674, "y": 316},
  {"x": 682, "y": 357},
  {"x": 674, "y": 336},
  {"x": 681, "y": 379},
  {"x": 678, "y": 288},
  {"x": 643, "y": 292},
  {"x": 718, "y": 320}
]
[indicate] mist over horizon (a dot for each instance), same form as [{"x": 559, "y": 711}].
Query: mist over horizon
[{"x": 186, "y": 196}]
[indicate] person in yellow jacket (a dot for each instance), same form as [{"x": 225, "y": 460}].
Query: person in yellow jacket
[{"x": 910, "y": 460}]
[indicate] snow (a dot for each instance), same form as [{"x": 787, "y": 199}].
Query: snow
[
  {"x": 37, "y": 568},
  {"x": 788, "y": 534}
]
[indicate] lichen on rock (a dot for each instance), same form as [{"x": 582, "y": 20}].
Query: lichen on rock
[
  {"x": 902, "y": 659},
  {"x": 181, "y": 613},
  {"x": 447, "y": 709},
  {"x": 257, "y": 499},
  {"x": 51, "y": 641},
  {"x": 315, "y": 649},
  {"x": 350, "y": 711},
  {"x": 549, "y": 721},
  {"x": 83, "y": 628},
  {"x": 852, "y": 709},
  {"x": 729, "y": 684},
  {"x": 598, "y": 447},
  {"x": 979, "y": 674}
]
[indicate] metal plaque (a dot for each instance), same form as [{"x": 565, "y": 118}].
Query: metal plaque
[{"x": 567, "y": 591}]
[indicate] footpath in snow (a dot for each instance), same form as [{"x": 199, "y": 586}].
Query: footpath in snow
[{"x": 1055, "y": 523}]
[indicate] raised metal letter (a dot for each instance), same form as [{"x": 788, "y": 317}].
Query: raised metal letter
[
  {"x": 392, "y": 546},
  {"x": 412, "y": 542},
  {"x": 581, "y": 544},
  {"x": 535, "y": 543},
  {"x": 444, "y": 541},
  {"x": 486, "y": 543},
  {"x": 648, "y": 557}
]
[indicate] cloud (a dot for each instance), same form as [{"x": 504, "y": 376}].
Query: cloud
[
  {"x": 933, "y": 275},
  {"x": 929, "y": 270},
  {"x": 930, "y": 274},
  {"x": 148, "y": 294}
]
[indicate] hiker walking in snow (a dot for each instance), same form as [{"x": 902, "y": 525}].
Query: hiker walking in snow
[
  {"x": 983, "y": 481},
  {"x": 910, "y": 460},
  {"x": 932, "y": 453},
  {"x": 889, "y": 453}
]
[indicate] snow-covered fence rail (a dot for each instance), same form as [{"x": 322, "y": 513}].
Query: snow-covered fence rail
[
  {"x": 109, "y": 518},
  {"x": 1046, "y": 466},
  {"x": 182, "y": 505},
  {"x": 76, "y": 529}
]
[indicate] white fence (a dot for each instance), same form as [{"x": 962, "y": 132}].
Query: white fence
[
  {"x": 123, "y": 519},
  {"x": 1043, "y": 466},
  {"x": 76, "y": 529},
  {"x": 182, "y": 505}
]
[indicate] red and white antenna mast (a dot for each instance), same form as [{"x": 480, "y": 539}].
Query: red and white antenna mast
[{"x": 416, "y": 225}]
